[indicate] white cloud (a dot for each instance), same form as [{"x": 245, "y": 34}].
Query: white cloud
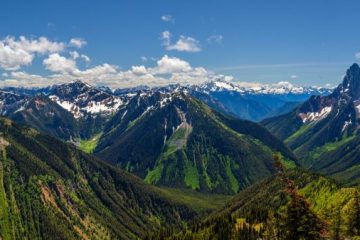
[
  {"x": 215, "y": 39},
  {"x": 15, "y": 53},
  {"x": 357, "y": 55},
  {"x": 183, "y": 44},
  {"x": 143, "y": 59},
  {"x": 13, "y": 59},
  {"x": 139, "y": 70},
  {"x": 293, "y": 76},
  {"x": 77, "y": 42},
  {"x": 57, "y": 63},
  {"x": 41, "y": 45},
  {"x": 60, "y": 59},
  {"x": 75, "y": 55},
  {"x": 171, "y": 65},
  {"x": 167, "y": 70},
  {"x": 165, "y": 36},
  {"x": 167, "y": 18},
  {"x": 23, "y": 79},
  {"x": 85, "y": 58}
]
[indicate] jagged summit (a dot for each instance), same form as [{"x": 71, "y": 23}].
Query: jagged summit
[
  {"x": 81, "y": 99},
  {"x": 350, "y": 87}
]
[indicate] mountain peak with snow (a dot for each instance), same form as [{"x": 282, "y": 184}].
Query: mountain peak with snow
[
  {"x": 81, "y": 99},
  {"x": 283, "y": 87}
]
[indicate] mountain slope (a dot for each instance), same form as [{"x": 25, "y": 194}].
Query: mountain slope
[
  {"x": 50, "y": 190},
  {"x": 323, "y": 132},
  {"x": 257, "y": 211},
  {"x": 48, "y": 117},
  {"x": 173, "y": 139}
]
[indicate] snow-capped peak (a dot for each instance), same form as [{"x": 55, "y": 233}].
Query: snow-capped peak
[{"x": 81, "y": 99}]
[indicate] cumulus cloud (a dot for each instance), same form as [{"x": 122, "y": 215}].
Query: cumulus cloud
[
  {"x": 62, "y": 63},
  {"x": 167, "y": 18},
  {"x": 293, "y": 76},
  {"x": 139, "y": 70},
  {"x": 171, "y": 65},
  {"x": 15, "y": 53},
  {"x": 12, "y": 59},
  {"x": 41, "y": 45},
  {"x": 215, "y": 39},
  {"x": 57, "y": 63},
  {"x": 23, "y": 79},
  {"x": 357, "y": 55},
  {"x": 77, "y": 42},
  {"x": 183, "y": 44},
  {"x": 167, "y": 70},
  {"x": 75, "y": 55}
]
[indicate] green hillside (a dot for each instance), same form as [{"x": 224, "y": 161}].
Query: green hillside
[
  {"x": 314, "y": 207},
  {"x": 186, "y": 144},
  {"x": 50, "y": 190}
]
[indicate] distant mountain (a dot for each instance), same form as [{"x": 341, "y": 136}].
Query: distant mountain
[
  {"x": 50, "y": 190},
  {"x": 260, "y": 101},
  {"x": 173, "y": 139},
  {"x": 81, "y": 99},
  {"x": 323, "y": 131},
  {"x": 10, "y": 102},
  {"x": 69, "y": 111}
]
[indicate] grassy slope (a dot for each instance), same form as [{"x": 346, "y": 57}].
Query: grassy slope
[
  {"x": 196, "y": 200},
  {"x": 88, "y": 145}
]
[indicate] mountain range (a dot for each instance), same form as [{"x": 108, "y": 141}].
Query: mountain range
[
  {"x": 85, "y": 162},
  {"x": 174, "y": 139},
  {"x": 166, "y": 136},
  {"x": 323, "y": 131}
]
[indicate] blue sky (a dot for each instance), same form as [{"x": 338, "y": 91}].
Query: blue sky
[{"x": 304, "y": 42}]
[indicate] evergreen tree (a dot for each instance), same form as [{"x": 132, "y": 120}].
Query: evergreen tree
[
  {"x": 354, "y": 219},
  {"x": 300, "y": 222},
  {"x": 336, "y": 223}
]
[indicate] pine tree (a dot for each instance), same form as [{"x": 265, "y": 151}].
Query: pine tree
[
  {"x": 272, "y": 227},
  {"x": 354, "y": 221},
  {"x": 336, "y": 223},
  {"x": 300, "y": 222}
]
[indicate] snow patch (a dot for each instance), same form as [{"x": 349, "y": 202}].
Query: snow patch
[
  {"x": 346, "y": 124},
  {"x": 165, "y": 100},
  {"x": 92, "y": 107},
  {"x": 315, "y": 116},
  {"x": 357, "y": 108}
]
